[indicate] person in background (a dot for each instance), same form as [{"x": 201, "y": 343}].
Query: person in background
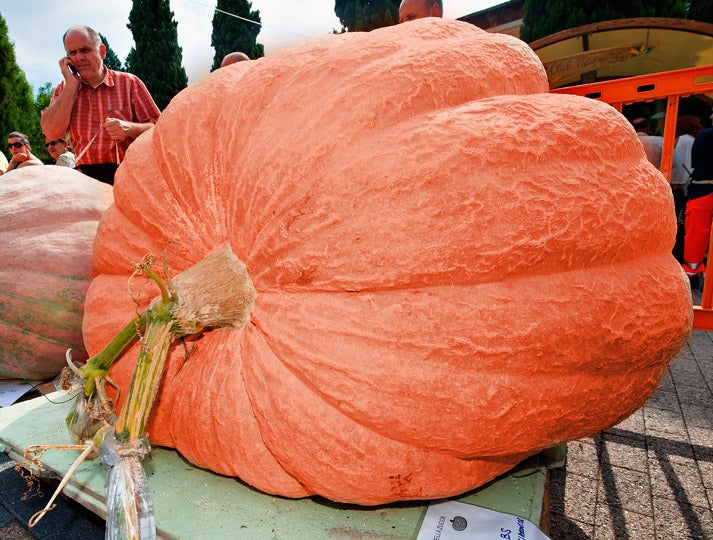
[
  {"x": 418, "y": 9},
  {"x": 653, "y": 144},
  {"x": 687, "y": 127},
  {"x": 103, "y": 110},
  {"x": 22, "y": 155},
  {"x": 234, "y": 57},
  {"x": 59, "y": 150},
  {"x": 699, "y": 208}
]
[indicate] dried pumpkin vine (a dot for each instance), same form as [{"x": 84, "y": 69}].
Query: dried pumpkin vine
[{"x": 216, "y": 292}]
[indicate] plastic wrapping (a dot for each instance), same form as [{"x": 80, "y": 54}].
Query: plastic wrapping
[
  {"x": 80, "y": 423},
  {"x": 129, "y": 512},
  {"x": 88, "y": 415}
]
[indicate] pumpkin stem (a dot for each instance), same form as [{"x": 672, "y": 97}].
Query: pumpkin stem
[
  {"x": 147, "y": 375},
  {"x": 216, "y": 292},
  {"x": 145, "y": 267},
  {"x": 98, "y": 365}
]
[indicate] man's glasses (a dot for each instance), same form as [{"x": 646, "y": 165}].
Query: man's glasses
[
  {"x": 52, "y": 143},
  {"x": 15, "y": 144}
]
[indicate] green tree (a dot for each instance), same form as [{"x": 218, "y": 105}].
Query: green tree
[
  {"x": 17, "y": 112},
  {"x": 44, "y": 95},
  {"x": 231, "y": 33},
  {"x": 545, "y": 17},
  {"x": 42, "y": 101},
  {"x": 701, "y": 10},
  {"x": 365, "y": 15},
  {"x": 156, "y": 57},
  {"x": 111, "y": 60}
]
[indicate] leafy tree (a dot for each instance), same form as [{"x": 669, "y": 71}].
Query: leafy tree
[
  {"x": 17, "y": 112},
  {"x": 365, "y": 15},
  {"x": 111, "y": 60},
  {"x": 545, "y": 17},
  {"x": 156, "y": 58},
  {"x": 232, "y": 34},
  {"x": 44, "y": 95},
  {"x": 701, "y": 10}
]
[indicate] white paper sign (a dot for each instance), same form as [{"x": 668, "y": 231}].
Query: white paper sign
[
  {"x": 11, "y": 391},
  {"x": 452, "y": 520}
]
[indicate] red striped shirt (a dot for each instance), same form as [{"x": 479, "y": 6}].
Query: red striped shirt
[{"x": 120, "y": 95}]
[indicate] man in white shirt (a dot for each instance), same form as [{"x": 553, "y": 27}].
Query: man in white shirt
[{"x": 653, "y": 144}]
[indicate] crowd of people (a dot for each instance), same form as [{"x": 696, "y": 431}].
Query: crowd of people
[
  {"x": 699, "y": 205},
  {"x": 18, "y": 144},
  {"x": 691, "y": 187},
  {"x": 101, "y": 111}
]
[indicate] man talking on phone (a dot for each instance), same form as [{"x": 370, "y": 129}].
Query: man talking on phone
[{"x": 103, "y": 110}]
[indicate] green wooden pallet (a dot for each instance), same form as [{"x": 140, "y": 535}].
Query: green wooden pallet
[{"x": 194, "y": 504}]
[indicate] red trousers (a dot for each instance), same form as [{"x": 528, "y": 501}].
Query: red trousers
[{"x": 699, "y": 216}]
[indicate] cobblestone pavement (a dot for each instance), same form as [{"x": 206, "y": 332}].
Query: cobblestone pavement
[{"x": 650, "y": 477}]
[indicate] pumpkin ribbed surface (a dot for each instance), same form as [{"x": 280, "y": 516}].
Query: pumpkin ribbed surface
[
  {"x": 455, "y": 269},
  {"x": 48, "y": 221}
]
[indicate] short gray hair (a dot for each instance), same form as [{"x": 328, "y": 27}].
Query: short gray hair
[{"x": 93, "y": 34}]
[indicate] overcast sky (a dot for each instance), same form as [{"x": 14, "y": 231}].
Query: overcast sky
[{"x": 36, "y": 27}]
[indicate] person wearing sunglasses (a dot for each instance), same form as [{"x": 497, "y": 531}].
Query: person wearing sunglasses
[
  {"x": 22, "y": 156},
  {"x": 59, "y": 150}
]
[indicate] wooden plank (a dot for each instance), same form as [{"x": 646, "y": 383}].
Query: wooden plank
[{"x": 194, "y": 504}]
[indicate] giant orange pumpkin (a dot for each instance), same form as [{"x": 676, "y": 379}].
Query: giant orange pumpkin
[
  {"x": 455, "y": 269},
  {"x": 48, "y": 220}
]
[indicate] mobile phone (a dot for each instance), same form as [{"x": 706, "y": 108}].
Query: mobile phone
[{"x": 72, "y": 68}]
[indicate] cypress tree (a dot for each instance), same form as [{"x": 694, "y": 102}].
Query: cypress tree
[
  {"x": 232, "y": 34},
  {"x": 17, "y": 112},
  {"x": 111, "y": 60},
  {"x": 156, "y": 57},
  {"x": 42, "y": 101},
  {"x": 365, "y": 15}
]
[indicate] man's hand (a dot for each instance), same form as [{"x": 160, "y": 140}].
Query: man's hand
[
  {"x": 20, "y": 156},
  {"x": 72, "y": 79},
  {"x": 119, "y": 130}
]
